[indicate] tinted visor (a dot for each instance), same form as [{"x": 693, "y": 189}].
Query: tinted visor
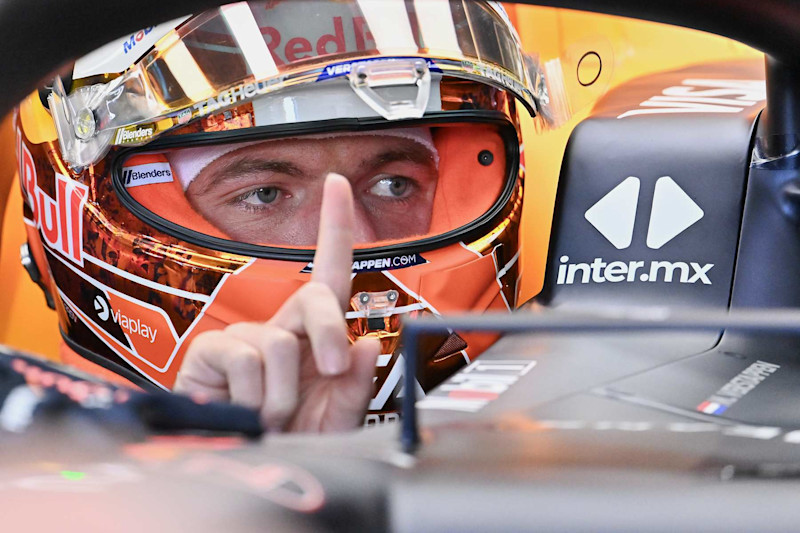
[{"x": 230, "y": 55}]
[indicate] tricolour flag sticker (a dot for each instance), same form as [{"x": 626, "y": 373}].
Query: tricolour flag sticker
[{"x": 712, "y": 408}]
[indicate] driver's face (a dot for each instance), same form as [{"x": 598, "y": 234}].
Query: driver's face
[{"x": 270, "y": 193}]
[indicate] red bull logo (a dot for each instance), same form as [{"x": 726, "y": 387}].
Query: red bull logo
[
  {"x": 58, "y": 219},
  {"x": 339, "y": 38}
]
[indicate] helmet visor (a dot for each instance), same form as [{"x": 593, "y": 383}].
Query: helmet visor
[
  {"x": 408, "y": 183},
  {"x": 232, "y": 54}
]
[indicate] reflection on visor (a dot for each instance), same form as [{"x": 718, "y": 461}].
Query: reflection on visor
[
  {"x": 408, "y": 183},
  {"x": 229, "y": 56}
]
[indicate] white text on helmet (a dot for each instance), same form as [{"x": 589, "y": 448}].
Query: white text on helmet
[
  {"x": 133, "y": 134},
  {"x": 146, "y": 174},
  {"x": 334, "y": 38},
  {"x": 134, "y": 326},
  {"x": 381, "y": 263},
  {"x": 237, "y": 94},
  {"x": 59, "y": 219},
  {"x": 386, "y": 263},
  {"x": 135, "y": 38},
  {"x": 493, "y": 73}
]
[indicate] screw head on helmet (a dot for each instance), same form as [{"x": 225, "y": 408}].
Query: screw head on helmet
[{"x": 176, "y": 187}]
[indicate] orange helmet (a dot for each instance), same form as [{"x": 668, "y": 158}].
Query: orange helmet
[{"x": 171, "y": 185}]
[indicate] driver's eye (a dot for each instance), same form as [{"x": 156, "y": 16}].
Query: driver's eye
[
  {"x": 395, "y": 186},
  {"x": 264, "y": 195}
]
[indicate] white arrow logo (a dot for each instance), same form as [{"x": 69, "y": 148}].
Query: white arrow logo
[
  {"x": 613, "y": 215},
  {"x": 673, "y": 213},
  {"x": 101, "y": 307}
]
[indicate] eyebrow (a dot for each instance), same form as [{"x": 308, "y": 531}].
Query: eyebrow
[
  {"x": 405, "y": 153},
  {"x": 254, "y": 165},
  {"x": 250, "y": 165}
]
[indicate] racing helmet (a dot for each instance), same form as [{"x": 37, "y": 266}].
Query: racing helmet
[{"x": 171, "y": 182}]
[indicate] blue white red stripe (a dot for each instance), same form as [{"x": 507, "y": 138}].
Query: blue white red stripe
[{"x": 712, "y": 408}]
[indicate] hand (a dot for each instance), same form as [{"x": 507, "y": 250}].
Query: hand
[{"x": 298, "y": 369}]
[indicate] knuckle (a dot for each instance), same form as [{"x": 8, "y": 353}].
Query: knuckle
[
  {"x": 244, "y": 362},
  {"x": 205, "y": 343},
  {"x": 279, "y": 339},
  {"x": 278, "y": 412},
  {"x": 276, "y": 339},
  {"x": 238, "y": 329},
  {"x": 210, "y": 336}
]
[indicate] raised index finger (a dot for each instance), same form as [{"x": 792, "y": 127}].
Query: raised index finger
[{"x": 333, "y": 259}]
